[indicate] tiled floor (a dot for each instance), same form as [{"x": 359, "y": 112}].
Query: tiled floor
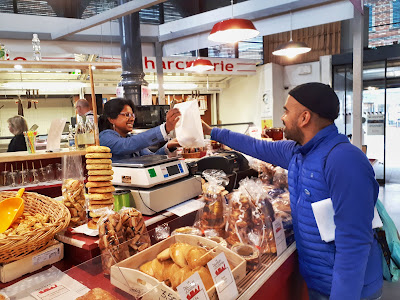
[{"x": 390, "y": 197}]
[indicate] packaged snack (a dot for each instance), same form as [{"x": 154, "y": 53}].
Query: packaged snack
[
  {"x": 121, "y": 234},
  {"x": 73, "y": 191},
  {"x": 212, "y": 215},
  {"x": 250, "y": 217}
]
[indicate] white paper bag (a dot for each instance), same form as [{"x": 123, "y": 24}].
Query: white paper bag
[
  {"x": 324, "y": 213},
  {"x": 189, "y": 131}
]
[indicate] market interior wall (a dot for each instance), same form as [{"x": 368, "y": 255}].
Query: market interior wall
[{"x": 47, "y": 110}]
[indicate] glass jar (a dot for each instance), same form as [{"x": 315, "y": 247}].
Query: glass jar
[
  {"x": 58, "y": 172},
  {"x": 23, "y": 177},
  {"x": 49, "y": 172},
  {"x": 42, "y": 174},
  {"x": 35, "y": 176},
  {"x": 12, "y": 179},
  {"x": 3, "y": 178}
]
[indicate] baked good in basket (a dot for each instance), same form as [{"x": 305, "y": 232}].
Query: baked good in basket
[
  {"x": 37, "y": 239},
  {"x": 97, "y": 294}
]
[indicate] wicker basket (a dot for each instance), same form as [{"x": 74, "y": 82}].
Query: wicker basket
[{"x": 17, "y": 246}]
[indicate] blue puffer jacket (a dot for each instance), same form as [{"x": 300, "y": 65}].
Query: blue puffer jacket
[{"x": 328, "y": 166}]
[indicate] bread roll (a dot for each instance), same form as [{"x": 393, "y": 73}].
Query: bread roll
[{"x": 197, "y": 257}]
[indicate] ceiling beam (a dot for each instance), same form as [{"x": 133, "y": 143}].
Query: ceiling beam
[
  {"x": 114, "y": 13},
  {"x": 252, "y": 10},
  {"x": 301, "y": 18}
]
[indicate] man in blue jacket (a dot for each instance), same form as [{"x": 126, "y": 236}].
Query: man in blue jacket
[{"x": 323, "y": 164}]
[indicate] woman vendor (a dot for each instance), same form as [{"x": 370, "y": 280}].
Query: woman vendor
[
  {"x": 115, "y": 126},
  {"x": 17, "y": 125}
]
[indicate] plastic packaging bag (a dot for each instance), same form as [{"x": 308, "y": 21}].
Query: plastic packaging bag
[
  {"x": 73, "y": 191},
  {"x": 189, "y": 131},
  {"x": 251, "y": 216},
  {"x": 121, "y": 235},
  {"x": 212, "y": 215}
]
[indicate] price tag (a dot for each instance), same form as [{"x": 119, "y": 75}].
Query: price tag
[
  {"x": 192, "y": 289},
  {"x": 46, "y": 256},
  {"x": 279, "y": 235},
  {"x": 54, "y": 291},
  {"x": 223, "y": 278}
]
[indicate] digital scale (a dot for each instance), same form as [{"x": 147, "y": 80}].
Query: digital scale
[{"x": 156, "y": 182}]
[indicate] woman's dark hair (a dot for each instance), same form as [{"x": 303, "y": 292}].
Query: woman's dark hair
[{"x": 111, "y": 110}]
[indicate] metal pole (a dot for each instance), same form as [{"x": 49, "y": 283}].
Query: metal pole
[
  {"x": 131, "y": 56},
  {"x": 160, "y": 73},
  {"x": 94, "y": 106},
  {"x": 358, "y": 42}
]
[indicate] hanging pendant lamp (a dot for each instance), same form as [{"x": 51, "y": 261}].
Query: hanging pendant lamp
[
  {"x": 233, "y": 30},
  {"x": 199, "y": 65},
  {"x": 291, "y": 49}
]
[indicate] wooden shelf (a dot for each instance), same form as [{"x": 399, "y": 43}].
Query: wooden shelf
[{"x": 41, "y": 154}]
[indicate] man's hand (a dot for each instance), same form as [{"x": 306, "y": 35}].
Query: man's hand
[
  {"x": 206, "y": 128},
  {"x": 173, "y": 144},
  {"x": 172, "y": 118}
]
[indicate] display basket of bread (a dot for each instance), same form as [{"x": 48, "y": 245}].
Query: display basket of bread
[
  {"x": 42, "y": 218},
  {"x": 158, "y": 270}
]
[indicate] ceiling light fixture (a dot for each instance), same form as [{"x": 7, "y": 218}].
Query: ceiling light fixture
[
  {"x": 291, "y": 49},
  {"x": 199, "y": 65},
  {"x": 233, "y": 30},
  {"x": 18, "y": 67}
]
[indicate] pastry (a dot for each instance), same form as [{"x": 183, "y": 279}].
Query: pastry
[
  {"x": 98, "y": 167},
  {"x": 164, "y": 255},
  {"x": 147, "y": 268},
  {"x": 178, "y": 251},
  {"x": 100, "y": 172},
  {"x": 180, "y": 276},
  {"x": 96, "y": 184},
  {"x": 98, "y": 149},
  {"x": 98, "y": 155},
  {"x": 98, "y": 206},
  {"x": 98, "y": 161},
  {"x": 74, "y": 200},
  {"x": 197, "y": 257},
  {"x": 97, "y": 294},
  {"x": 100, "y": 178}
]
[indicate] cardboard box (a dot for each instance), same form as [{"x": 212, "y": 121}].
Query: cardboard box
[
  {"x": 126, "y": 275},
  {"x": 31, "y": 263}
]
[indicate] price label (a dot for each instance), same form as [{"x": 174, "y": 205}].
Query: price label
[
  {"x": 54, "y": 291},
  {"x": 53, "y": 253},
  {"x": 223, "y": 278},
  {"x": 192, "y": 289},
  {"x": 279, "y": 235}
]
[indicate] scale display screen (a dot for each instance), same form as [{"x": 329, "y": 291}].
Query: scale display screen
[{"x": 173, "y": 170}]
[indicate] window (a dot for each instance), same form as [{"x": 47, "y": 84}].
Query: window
[
  {"x": 396, "y": 14},
  {"x": 370, "y": 18}
]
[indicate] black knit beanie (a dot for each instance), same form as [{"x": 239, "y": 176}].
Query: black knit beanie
[{"x": 319, "y": 98}]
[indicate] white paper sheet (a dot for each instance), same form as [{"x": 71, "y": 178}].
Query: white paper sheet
[
  {"x": 55, "y": 132},
  {"x": 86, "y": 230},
  {"x": 324, "y": 216},
  {"x": 186, "y": 207},
  {"x": 27, "y": 289}
]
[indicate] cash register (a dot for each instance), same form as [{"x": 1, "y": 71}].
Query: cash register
[{"x": 156, "y": 182}]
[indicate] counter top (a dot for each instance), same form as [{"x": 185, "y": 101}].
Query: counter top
[{"x": 41, "y": 154}]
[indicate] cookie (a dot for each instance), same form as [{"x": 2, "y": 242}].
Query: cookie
[
  {"x": 98, "y": 161},
  {"x": 101, "y": 190},
  {"x": 96, "y": 184},
  {"x": 95, "y": 219},
  {"x": 92, "y": 224},
  {"x": 97, "y": 149},
  {"x": 94, "y": 207},
  {"x": 100, "y": 178},
  {"x": 98, "y": 167},
  {"x": 100, "y": 172},
  {"x": 98, "y": 155},
  {"x": 101, "y": 202},
  {"x": 94, "y": 215},
  {"x": 100, "y": 196}
]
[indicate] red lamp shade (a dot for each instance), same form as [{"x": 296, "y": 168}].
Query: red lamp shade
[
  {"x": 199, "y": 65},
  {"x": 232, "y": 31}
]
